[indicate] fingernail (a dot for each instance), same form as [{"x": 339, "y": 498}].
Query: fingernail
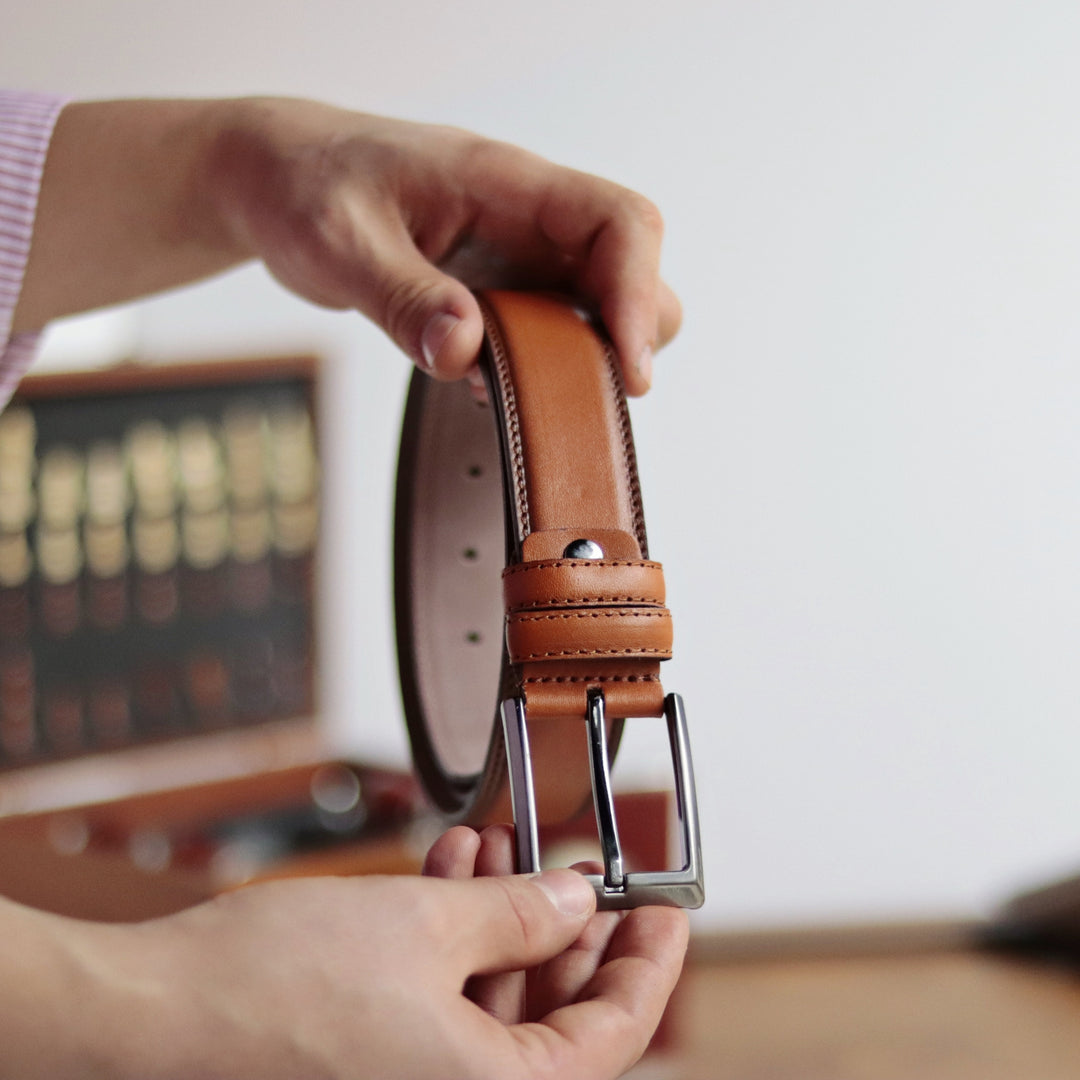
[
  {"x": 568, "y": 891},
  {"x": 438, "y": 329},
  {"x": 477, "y": 386},
  {"x": 644, "y": 365}
]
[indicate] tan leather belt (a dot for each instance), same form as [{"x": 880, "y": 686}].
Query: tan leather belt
[{"x": 524, "y": 591}]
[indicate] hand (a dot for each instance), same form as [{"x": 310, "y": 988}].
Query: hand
[
  {"x": 334, "y": 979},
  {"x": 395, "y": 219},
  {"x": 594, "y": 968}
]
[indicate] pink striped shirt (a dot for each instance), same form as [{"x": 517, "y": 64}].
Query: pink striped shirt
[{"x": 26, "y": 125}]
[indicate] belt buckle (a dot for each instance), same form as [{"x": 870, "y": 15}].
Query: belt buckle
[{"x": 614, "y": 888}]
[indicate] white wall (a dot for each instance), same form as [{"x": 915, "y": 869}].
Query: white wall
[{"x": 861, "y": 457}]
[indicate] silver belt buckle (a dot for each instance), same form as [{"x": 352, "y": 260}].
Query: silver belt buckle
[{"x": 615, "y": 888}]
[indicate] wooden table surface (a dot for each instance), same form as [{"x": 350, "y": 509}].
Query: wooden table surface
[{"x": 943, "y": 1014}]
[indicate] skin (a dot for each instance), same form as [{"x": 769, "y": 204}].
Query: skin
[
  {"x": 393, "y": 219},
  {"x": 334, "y": 978},
  {"x": 529, "y": 996},
  {"x": 379, "y": 977}
]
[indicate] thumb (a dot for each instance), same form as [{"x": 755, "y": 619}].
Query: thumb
[
  {"x": 431, "y": 316},
  {"x": 510, "y": 923}
]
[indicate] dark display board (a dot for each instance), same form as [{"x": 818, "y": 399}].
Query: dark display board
[{"x": 158, "y": 534}]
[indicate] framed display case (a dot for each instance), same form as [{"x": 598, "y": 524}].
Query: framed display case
[{"x": 158, "y": 551}]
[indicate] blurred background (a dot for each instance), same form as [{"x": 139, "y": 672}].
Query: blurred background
[{"x": 860, "y": 457}]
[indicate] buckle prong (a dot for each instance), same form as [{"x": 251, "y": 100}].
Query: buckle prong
[
  {"x": 603, "y": 799},
  {"x": 615, "y": 888}
]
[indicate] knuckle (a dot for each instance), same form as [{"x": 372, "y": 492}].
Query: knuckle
[
  {"x": 405, "y": 300},
  {"x": 645, "y": 212},
  {"x": 542, "y": 1055},
  {"x": 520, "y": 910},
  {"x": 491, "y": 158}
]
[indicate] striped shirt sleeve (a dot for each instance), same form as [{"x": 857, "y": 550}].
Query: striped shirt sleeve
[{"x": 26, "y": 125}]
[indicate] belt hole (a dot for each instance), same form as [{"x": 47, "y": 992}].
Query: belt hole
[
  {"x": 470, "y": 554},
  {"x": 474, "y": 637},
  {"x": 475, "y": 471}
]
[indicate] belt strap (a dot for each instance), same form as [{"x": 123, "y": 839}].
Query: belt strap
[{"x": 521, "y": 566}]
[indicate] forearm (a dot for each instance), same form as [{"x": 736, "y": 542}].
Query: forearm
[
  {"x": 57, "y": 1018},
  {"x": 350, "y": 211},
  {"x": 123, "y": 210}
]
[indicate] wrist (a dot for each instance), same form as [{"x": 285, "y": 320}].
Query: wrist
[
  {"x": 247, "y": 146},
  {"x": 60, "y": 1011},
  {"x": 232, "y": 154},
  {"x": 124, "y": 210}
]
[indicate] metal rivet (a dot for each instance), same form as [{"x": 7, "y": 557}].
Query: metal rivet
[{"x": 583, "y": 549}]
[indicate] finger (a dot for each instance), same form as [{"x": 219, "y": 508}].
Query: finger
[
  {"x": 363, "y": 257},
  {"x": 497, "y": 924},
  {"x": 432, "y": 316},
  {"x": 495, "y": 857},
  {"x": 615, "y": 236},
  {"x": 477, "y": 386},
  {"x": 553, "y": 227},
  {"x": 460, "y": 853},
  {"x": 501, "y": 995},
  {"x": 669, "y": 315},
  {"x": 609, "y": 1027},
  {"x": 562, "y": 979},
  {"x": 668, "y": 322},
  {"x": 453, "y": 855}
]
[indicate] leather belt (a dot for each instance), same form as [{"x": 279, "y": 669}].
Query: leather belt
[{"x": 524, "y": 591}]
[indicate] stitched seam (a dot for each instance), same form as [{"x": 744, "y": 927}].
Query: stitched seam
[
  {"x": 510, "y": 413},
  {"x": 575, "y": 564},
  {"x": 589, "y": 678},
  {"x": 594, "y": 615},
  {"x": 571, "y": 601},
  {"x": 557, "y": 653}
]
